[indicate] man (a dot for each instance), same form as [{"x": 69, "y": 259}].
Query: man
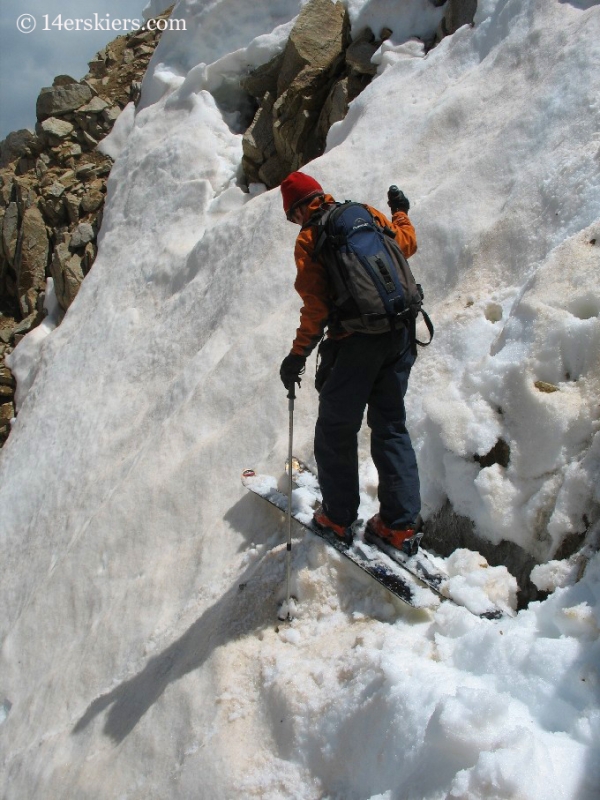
[{"x": 357, "y": 370}]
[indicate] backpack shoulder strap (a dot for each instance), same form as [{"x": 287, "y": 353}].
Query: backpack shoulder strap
[{"x": 320, "y": 220}]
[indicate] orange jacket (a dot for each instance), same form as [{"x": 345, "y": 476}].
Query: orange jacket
[{"x": 311, "y": 281}]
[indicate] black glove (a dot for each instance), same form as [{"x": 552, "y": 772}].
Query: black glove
[
  {"x": 397, "y": 200},
  {"x": 291, "y": 368}
]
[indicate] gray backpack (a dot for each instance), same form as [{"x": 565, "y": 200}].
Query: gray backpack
[{"x": 372, "y": 285}]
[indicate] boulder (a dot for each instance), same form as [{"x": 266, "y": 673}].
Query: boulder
[
  {"x": 97, "y": 67},
  {"x": 313, "y": 57},
  {"x": 7, "y": 412},
  {"x": 296, "y": 94},
  {"x": 58, "y": 100},
  {"x": 25, "y": 194},
  {"x": 72, "y": 203},
  {"x": 10, "y": 232},
  {"x": 143, "y": 51},
  {"x": 67, "y": 151},
  {"x": 95, "y": 106},
  {"x": 16, "y": 145},
  {"x": 459, "y": 13},
  {"x": 89, "y": 256},
  {"x": 56, "y": 128},
  {"x": 6, "y": 187},
  {"x": 86, "y": 171},
  {"x": 88, "y": 140},
  {"x": 31, "y": 259},
  {"x": 91, "y": 201},
  {"x": 316, "y": 44},
  {"x": 54, "y": 190},
  {"x": 53, "y": 210},
  {"x": 28, "y": 324},
  {"x": 67, "y": 275},
  {"x": 82, "y": 234},
  {"x": 110, "y": 114},
  {"x": 63, "y": 80},
  {"x": 142, "y": 37},
  {"x": 6, "y": 377}
]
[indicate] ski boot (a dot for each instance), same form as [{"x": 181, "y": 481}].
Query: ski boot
[
  {"x": 406, "y": 540},
  {"x": 344, "y": 532}
]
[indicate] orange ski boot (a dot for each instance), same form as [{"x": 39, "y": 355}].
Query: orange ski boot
[
  {"x": 344, "y": 532},
  {"x": 406, "y": 540}
]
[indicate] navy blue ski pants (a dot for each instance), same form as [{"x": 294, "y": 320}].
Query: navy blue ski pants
[{"x": 366, "y": 370}]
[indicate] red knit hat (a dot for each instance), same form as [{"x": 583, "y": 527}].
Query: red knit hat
[{"x": 297, "y": 188}]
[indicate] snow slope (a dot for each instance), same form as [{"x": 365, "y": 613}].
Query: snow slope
[{"x": 140, "y": 654}]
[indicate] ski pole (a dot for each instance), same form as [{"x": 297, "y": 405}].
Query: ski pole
[{"x": 291, "y": 398}]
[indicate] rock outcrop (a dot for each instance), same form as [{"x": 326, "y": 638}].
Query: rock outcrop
[
  {"x": 52, "y": 190},
  {"x": 304, "y": 90}
]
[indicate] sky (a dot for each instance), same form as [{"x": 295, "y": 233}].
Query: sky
[{"x": 31, "y": 60}]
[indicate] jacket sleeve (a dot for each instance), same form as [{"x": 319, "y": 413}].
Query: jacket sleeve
[
  {"x": 311, "y": 285},
  {"x": 403, "y": 229}
]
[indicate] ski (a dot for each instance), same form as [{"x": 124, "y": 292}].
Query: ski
[
  {"x": 379, "y": 568},
  {"x": 419, "y": 565}
]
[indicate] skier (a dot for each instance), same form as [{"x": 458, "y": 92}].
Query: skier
[{"x": 356, "y": 371}]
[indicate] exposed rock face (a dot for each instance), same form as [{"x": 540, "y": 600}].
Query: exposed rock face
[
  {"x": 304, "y": 90},
  {"x": 67, "y": 272},
  {"x": 310, "y": 65},
  {"x": 52, "y": 190},
  {"x": 10, "y": 232},
  {"x": 31, "y": 259}
]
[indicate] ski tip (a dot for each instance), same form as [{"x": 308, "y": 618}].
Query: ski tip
[
  {"x": 298, "y": 466},
  {"x": 248, "y": 473}
]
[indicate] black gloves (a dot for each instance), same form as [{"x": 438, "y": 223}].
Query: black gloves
[
  {"x": 291, "y": 368},
  {"x": 397, "y": 200}
]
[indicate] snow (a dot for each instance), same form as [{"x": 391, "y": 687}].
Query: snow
[
  {"x": 141, "y": 652},
  {"x": 113, "y": 144}
]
